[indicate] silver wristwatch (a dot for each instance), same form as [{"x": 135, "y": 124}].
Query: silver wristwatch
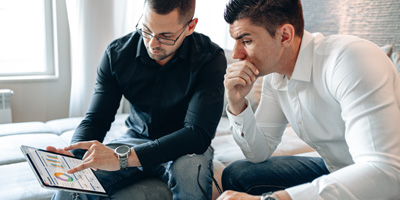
[
  {"x": 122, "y": 152},
  {"x": 268, "y": 196}
]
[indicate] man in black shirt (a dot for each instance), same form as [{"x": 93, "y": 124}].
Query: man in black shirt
[{"x": 173, "y": 79}]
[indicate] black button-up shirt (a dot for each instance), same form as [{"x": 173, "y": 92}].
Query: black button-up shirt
[{"x": 177, "y": 106}]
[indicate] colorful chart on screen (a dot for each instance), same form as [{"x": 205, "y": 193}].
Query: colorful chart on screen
[{"x": 52, "y": 169}]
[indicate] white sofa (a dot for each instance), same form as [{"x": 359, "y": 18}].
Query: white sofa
[{"x": 19, "y": 182}]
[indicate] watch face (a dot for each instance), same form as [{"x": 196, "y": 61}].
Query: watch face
[{"x": 122, "y": 149}]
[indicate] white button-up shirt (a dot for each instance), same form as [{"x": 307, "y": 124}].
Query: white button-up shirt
[{"x": 343, "y": 100}]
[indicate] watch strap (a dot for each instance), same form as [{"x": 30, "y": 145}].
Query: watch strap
[
  {"x": 123, "y": 157},
  {"x": 123, "y": 162}
]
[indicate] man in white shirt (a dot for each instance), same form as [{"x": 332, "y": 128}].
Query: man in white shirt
[{"x": 341, "y": 94}]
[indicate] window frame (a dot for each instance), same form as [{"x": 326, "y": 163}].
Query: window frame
[{"x": 52, "y": 71}]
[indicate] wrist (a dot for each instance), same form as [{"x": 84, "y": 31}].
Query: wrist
[
  {"x": 133, "y": 160},
  {"x": 269, "y": 196},
  {"x": 122, "y": 153},
  {"x": 236, "y": 109}
]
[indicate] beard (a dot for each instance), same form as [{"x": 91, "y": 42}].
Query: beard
[{"x": 161, "y": 55}]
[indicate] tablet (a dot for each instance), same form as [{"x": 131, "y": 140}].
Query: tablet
[{"x": 51, "y": 171}]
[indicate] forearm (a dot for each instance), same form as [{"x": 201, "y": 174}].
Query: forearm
[
  {"x": 236, "y": 109},
  {"x": 358, "y": 181},
  {"x": 255, "y": 145},
  {"x": 283, "y": 195},
  {"x": 133, "y": 160},
  {"x": 187, "y": 140},
  {"x": 87, "y": 131}
]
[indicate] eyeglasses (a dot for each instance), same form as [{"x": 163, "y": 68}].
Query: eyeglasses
[{"x": 162, "y": 40}]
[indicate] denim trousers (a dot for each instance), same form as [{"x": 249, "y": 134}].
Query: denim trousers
[
  {"x": 276, "y": 173},
  {"x": 188, "y": 177}
]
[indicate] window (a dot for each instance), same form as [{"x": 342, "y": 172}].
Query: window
[
  {"x": 212, "y": 23},
  {"x": 26, "y": 40}
]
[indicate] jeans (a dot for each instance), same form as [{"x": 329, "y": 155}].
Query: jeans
[
  {"x": 276, "y": 173},
  {"x": 188, "y": 177}
]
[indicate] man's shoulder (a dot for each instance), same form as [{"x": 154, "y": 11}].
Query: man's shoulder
[
  {"x": 126, "y": 42},
  {"x": 202, "y": 43},
  {"x": 339, "y": 43},
  {"x": 202, "y": 48}
]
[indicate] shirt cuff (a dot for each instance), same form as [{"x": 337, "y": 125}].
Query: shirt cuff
[
  {"x": 304, "y": 191},
  {"x": 241, "y": 123},
  {"x": 147, "y": 154}
]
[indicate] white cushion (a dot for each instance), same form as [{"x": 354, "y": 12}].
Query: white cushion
[
  {"x": 61, "y": 125},
  {"x": 388, "y": 49},
  {"x": 10, "y": 145},
  {"x": 23, "y": 128},
  {"x": 19, "y": 182},
  {"x": 396, "y": 60},
  {"x": 227, "y": 151}
]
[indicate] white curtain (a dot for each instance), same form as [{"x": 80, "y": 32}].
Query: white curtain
[
  {"x": 95, "y": 23},
  {"x": 212, "y": 23}
]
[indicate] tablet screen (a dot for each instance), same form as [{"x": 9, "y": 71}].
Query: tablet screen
[{"x": 52, "y": 168}]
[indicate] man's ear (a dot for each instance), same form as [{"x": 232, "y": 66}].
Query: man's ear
[
  {"x": 192, "y": 26},
  {"x": 287, "y": 34}
]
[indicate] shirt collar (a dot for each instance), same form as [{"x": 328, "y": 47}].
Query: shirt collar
[
  {"x": 142, "y": 51},
  {"x": 303, "y": 68},
  {"x": 140, "y": 47}
]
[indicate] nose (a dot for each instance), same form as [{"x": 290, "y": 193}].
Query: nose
[
  {"x": 153, "y": 43},
  {"x": 238, "y": 52}
]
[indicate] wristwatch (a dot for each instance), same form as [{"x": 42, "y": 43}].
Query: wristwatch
[
  {"x": 122, "y": 152},
  {"x": 268, "y": 196}
]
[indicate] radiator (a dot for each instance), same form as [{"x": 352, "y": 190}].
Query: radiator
[{"x": 5, "y": 108}]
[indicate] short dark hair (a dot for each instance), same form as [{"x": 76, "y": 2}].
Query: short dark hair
[
  {"x": 269, "y": 14},
  {"x": 163, "y": 7}
]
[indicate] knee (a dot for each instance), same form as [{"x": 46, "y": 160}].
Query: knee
[
  {"x": 232, "y": 174},
  {"x": 191, "y": 166},
  {"x": 190, "y": 176}
]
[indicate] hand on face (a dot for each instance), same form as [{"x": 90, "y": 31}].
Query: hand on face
[
  {"x": 239, "y": 80},
  {"x": 232, "y": 195},
  {"x": 98, "y": 156}
]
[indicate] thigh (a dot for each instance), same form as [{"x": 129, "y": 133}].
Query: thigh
[
  {"x": 190, "y": 176},
  {"x": 116, "y": 180},
  {"x": 111, "y": 180},
  {"x": 276, "y": 173}
]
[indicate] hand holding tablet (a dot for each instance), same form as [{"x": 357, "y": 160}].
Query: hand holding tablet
[{"x": 51, "y": 169}]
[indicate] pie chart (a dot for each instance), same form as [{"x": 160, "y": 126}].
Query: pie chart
[{"x": 63, "y": 177}]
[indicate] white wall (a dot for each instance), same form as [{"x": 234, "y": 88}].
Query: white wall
[
  {"x": 378, "y": 21},
  {"x": 43, "y": 100},
  {"x": 374, "y": 20}
]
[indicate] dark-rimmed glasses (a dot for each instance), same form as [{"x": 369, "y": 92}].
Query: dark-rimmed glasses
[{"x": 161, "y": 40}]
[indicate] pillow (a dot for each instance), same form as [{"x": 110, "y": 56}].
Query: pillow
[
  {"x": 396, "y": 60},
  {"x": 388, "y": 49}
]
